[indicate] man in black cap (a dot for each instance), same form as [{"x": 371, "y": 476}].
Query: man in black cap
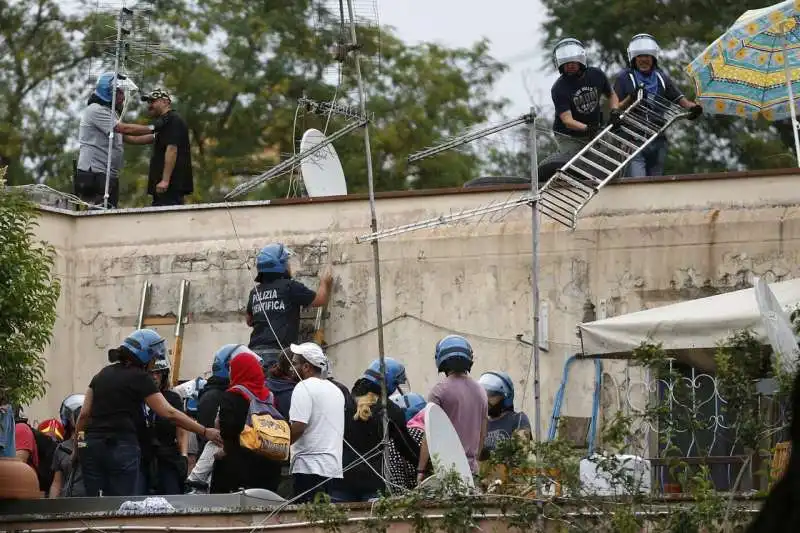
[{"x": 170, "y": 177}]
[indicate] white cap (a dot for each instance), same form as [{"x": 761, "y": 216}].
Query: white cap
[{"x": 312, "y": 353}]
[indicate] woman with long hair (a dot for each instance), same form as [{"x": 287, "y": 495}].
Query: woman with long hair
[
  {"x": 364, "y": 432},
  {"x": 112, "y": 418},
  {"x": 238, "y": 468}
]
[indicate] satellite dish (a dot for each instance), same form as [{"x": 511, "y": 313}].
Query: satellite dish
[
  {"x": 444, "y": 444},
  {"x": 323, "y": 174},
  {"x": 778, "y": 327}
]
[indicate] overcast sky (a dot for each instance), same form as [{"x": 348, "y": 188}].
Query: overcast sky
[{"x": 514, "y": 28}]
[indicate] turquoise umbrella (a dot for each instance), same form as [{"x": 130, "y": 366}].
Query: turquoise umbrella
[{"x": 753, "y": 69}]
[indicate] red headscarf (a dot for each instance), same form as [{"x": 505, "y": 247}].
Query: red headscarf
[{"x": 247, "y": 371}]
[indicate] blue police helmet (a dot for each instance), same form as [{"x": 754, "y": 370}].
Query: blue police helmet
[
  {"x": 145, "y": 345},
  {"x": 411, "y": 403},
  {"x": 452, "y": 346},
  {"x": 105, "y": 86},
  {"x": 395, "y": 374},
  {"x": 273, "y": 258},
  {"x": 221, "y": 366},
  {"x": 499, "y": 383}
]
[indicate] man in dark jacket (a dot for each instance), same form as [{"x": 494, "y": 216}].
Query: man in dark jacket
[
  {"x": 281, "y": 381},
  {"x": 273, "y": 307}
]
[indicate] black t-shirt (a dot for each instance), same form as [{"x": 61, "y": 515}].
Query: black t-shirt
[
  {"x": 281, "y": 300},
  {"x": 579, "y": 94},
  {"x": 174, "y": 132},
  {"x": 118, "y": 393}
]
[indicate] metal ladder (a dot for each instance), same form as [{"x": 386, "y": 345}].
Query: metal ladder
[
  {"x": 179, "y": 320},
  {"x": 604, "y": 157}
]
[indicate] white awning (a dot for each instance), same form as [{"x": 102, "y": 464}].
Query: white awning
[{"x": 691, "y": 325}]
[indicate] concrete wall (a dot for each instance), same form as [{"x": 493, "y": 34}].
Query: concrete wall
[{"x": 639, "y": 244}]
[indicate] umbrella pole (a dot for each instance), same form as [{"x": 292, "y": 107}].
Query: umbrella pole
[{"x": 793, "y": 111}]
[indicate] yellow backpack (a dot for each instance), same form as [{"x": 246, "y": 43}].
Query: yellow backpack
[{"x": 265, "y": 431}]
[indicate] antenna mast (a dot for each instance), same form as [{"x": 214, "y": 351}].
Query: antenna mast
[
  {"x": 123, "y": 30},
  {"x": 531, "y": 199},
  {"x": 376, "y": 256}
]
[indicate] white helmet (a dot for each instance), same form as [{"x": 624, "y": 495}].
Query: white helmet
[
  {"x": 643, "y": 44},
  {"x": 569, "y": 50}
]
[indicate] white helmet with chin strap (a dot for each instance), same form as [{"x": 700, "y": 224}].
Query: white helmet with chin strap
[
  {"x": 643, "y": 44},
  {"x": 567, "y": 51}
]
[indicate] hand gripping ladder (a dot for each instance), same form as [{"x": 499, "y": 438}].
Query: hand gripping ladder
[{"x": 602, "y": 159}]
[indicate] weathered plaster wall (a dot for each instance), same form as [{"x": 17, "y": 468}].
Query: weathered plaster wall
[{"x": 638, "y": 245}]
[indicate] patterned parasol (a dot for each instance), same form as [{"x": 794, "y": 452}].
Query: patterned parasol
[{"x": 753, "y": 69}]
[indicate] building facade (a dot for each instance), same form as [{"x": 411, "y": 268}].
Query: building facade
[{"x": 639, "y": 244}]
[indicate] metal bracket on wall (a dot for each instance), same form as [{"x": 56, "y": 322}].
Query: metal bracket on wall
[{"x": 179, "y": 320}]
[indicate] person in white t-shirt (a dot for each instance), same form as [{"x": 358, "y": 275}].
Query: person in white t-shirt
[{"x": 317, "y": 424}]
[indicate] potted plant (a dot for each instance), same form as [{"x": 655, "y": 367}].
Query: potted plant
[{"x": 28, "y": 296}]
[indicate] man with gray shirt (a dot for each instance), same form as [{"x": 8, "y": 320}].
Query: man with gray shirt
[{"x": 97, "y": 122}]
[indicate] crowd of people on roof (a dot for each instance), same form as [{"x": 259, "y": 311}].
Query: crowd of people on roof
[
  {"x": 577, "y": 93},
  {"x": 271, "y": 415},
  {"x": 576, "y": 96}
]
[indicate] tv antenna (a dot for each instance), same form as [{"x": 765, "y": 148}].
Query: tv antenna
[
  {"x": 530, "y": 199},
  {"x": 125, "y": 53},
  {"x": 347, "y": 51}
]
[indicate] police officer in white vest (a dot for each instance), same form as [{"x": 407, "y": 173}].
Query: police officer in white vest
[
  {"x": 643, "y": 71},
  {"x": 273, "y": 308}
]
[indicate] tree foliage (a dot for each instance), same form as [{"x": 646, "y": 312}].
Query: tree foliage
[
  {"x": 28, "y": 296},
  {"x": 41, "y": 54},
  {"x": 236, "y": 71},
  {"x": 683, "y": 29}
]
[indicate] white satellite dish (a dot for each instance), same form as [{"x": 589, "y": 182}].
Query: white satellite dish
[
  {"x": 444, "y": 444},
  {"x": 777, "y": 326},
  {"x": 323, "y": 174}
]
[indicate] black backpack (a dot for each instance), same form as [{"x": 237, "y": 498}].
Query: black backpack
[{"x": 46, "y": 447}]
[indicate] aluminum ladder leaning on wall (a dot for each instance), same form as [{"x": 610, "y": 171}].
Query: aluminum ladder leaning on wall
[
  {"x": 144, "y": 320},
  {"x": 604, "y": 157}
]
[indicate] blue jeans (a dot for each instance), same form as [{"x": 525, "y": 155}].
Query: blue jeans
[
  {"x": 351, "y": 496},
  {"x": 111, "y": 464},
  {"x": 650, "y": 161}
]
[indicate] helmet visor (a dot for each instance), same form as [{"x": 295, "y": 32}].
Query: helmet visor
[
  {"x": 569, "y": 52},
  {"x": 643, "y": 46},
  {"x": 493, "y": 385}
]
